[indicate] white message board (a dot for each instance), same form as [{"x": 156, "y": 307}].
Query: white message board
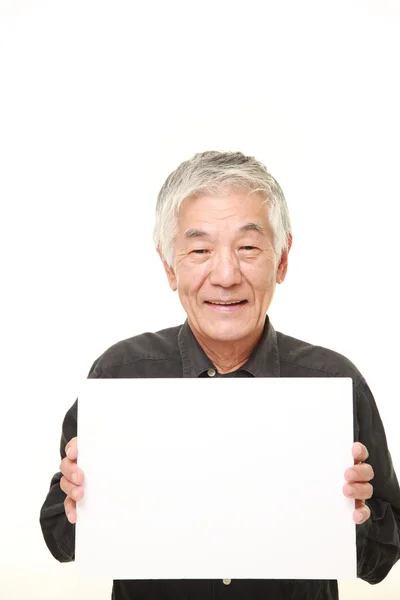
[{"x": 215, "y": 478}]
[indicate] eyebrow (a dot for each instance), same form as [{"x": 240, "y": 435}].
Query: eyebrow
[
  {"x": 253, "y": 227},
  {"x": 195, "y": 233}
]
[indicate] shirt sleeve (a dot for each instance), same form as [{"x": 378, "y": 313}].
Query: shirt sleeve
[
  {"x": 58, "y": 532},
  {"x": 378, "y": 539}
]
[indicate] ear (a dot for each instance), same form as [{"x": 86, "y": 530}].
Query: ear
[
  {"x": 283, "y": 263},
  {"x": 169, "y": 271}
]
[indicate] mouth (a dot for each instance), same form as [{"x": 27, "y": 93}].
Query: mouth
[
  {"x": 229, "y": 303},
  {"x": 229, "y": 307}
]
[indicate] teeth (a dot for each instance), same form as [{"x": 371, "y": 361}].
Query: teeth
[{"x": 225, "y": 303}]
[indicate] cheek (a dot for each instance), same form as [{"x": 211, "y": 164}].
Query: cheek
[
  {"x": 261, "y": 277},
  {"x": 190, "y": 279}
]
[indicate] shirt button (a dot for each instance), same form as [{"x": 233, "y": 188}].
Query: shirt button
[
  {"x": 226, "y": 581},
  {"x": 211, "y": 372}
]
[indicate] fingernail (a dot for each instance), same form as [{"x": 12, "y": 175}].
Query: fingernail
[
  {"x": 69, "y": 517},
  {"x": 351, "y": 490},
  {"x": 73, "y": 478},
  {"x": 68, "y": 452},
  {"x": 359, "y": 516},
  {"x": 359, "y": 451},
  {"x": 75, "y": 493}
]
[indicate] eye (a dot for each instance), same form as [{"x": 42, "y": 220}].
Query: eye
[
  {"x": 249, "y": 248},
  {"x": 200, "y": 251}
]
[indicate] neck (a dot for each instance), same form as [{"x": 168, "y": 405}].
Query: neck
[{"x": 231, "y": 355}]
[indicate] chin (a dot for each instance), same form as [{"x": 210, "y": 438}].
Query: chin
[{"x": 226, "y": 332}]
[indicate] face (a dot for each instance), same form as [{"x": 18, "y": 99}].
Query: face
[{"x": 225, "y": 267}]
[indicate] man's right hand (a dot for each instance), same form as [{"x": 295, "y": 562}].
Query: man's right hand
[{"x": 72, "y": 481}]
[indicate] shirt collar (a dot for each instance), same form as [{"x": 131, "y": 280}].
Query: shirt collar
[{"x": 263, "y": 362}]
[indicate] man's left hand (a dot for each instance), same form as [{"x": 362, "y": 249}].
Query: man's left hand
[{"x": 358, "y": 486}]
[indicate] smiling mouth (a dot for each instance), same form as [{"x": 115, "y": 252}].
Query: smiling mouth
[{"x": 233, "y": 303}]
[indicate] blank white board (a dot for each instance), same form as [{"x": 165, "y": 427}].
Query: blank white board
[{"x": 215, "y": 478}]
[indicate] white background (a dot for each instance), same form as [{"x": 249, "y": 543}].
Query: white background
[{"x": 99, "y": 101}]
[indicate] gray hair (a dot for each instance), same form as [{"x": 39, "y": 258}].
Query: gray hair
[{"x": 210, "y": 173}]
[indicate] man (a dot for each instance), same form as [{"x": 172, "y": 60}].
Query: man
[{"x": 223, "y": 234}]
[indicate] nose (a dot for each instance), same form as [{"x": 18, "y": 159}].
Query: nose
[{"x": 225, "y": 269}]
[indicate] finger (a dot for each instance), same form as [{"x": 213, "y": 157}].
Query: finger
[
  {"x": 362, "y": 512},
  {"x": 360, "y": 452},
  {"x": 362, "y": 472},
  {"x": 73, "y": 491},
  {"x": 360, "y": 491},
  {"x": 71, "y": 471},
  {"x": 71, "y": 449},
  {"x": 70, "y": 509}
]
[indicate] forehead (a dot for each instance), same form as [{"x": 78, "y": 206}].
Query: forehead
[{"x": 228, "y": 208}]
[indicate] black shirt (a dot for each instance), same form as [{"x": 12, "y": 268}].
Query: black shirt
[{"x": 174, "y": 352}]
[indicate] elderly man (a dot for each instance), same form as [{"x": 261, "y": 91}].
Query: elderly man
[{"x": 223, "y": 234}]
